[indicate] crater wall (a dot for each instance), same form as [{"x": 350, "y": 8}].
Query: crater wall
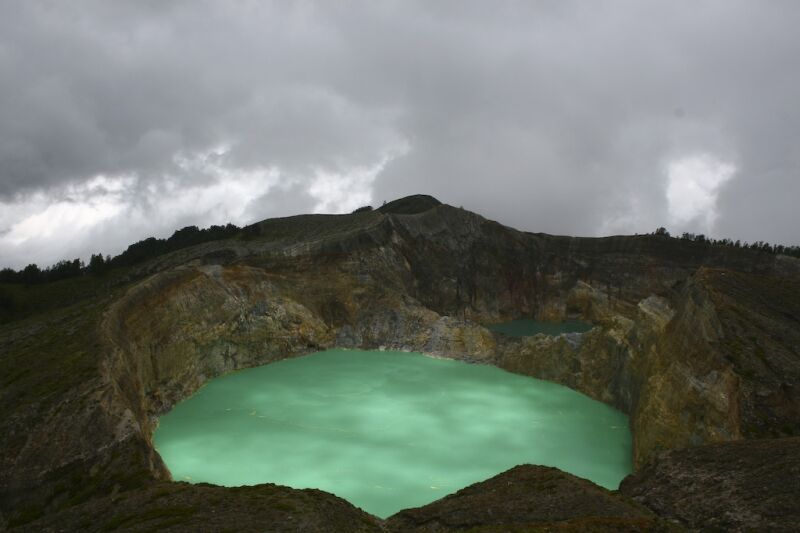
[
  {"x": 658, "y": 351},
  {"x": 697, "y": 344}
]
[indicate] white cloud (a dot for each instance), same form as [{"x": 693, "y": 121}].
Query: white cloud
[
  {"x": 693, "y": 184},
  {"x": 342, "y": 192},
  {"x": 41, "y": 217},
  {"x": 106, "y": 213}
]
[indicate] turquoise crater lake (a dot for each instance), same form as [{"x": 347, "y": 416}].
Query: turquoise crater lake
[{"x": 386, "y": 430}]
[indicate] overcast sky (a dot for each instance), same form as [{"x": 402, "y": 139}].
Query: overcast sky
[{"x": 121, "y": 120}]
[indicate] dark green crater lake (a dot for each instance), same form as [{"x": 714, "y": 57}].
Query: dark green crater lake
[
  {"x": 525, "y": 327},
  {"x": 386, "y": 430}
]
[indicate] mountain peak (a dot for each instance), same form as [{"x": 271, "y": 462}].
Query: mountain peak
[{"x": 410, "y": 205}]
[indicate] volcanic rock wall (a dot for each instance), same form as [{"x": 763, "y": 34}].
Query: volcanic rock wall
[
  {"x": 425, "y": 282},
  {"x": 697, "y": 344}
]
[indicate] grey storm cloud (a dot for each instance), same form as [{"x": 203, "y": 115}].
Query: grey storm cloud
[{"x": 120, "y": 120}]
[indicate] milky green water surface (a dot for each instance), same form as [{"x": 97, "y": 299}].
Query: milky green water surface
[
  {"x": 526, "y": 327},
  {"x": 386, "y": 430}
]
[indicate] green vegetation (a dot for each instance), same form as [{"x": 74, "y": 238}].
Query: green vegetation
[
  {"x": 63, "y": 343},
  {"x": 758, "y": 246},
  {"x": 410, "y": 205},
  {"x": 165, "y": 517},
  {"x": 135, "y": 253},
  {"x": 309, "y": 228},
  {"x": 18, "y": 301},
  {"x": 33, "y": 289}
]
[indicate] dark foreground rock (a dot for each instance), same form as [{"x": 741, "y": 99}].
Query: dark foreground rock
[
  {"x": 751, "y": 485},
  {"x": 185, "y": 507},
  {"x": 529, "y": 498}
]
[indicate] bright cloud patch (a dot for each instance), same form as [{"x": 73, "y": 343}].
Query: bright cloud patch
[
  {"x": 77, "y": 207},
  {"x": 692, "y": 188},
  {"x": 203, "y": 188},
  {"x": 343, "y": 192}
]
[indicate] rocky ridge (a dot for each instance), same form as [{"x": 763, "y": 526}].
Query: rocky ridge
[{"x": 697, "y": 344}]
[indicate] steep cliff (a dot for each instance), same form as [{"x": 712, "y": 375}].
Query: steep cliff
[{"x": 698, "y": 344}]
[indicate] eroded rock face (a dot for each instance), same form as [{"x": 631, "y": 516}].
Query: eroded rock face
[
  {"x": 697, "y": 344},
  {"x": 174, "y": 331}
]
